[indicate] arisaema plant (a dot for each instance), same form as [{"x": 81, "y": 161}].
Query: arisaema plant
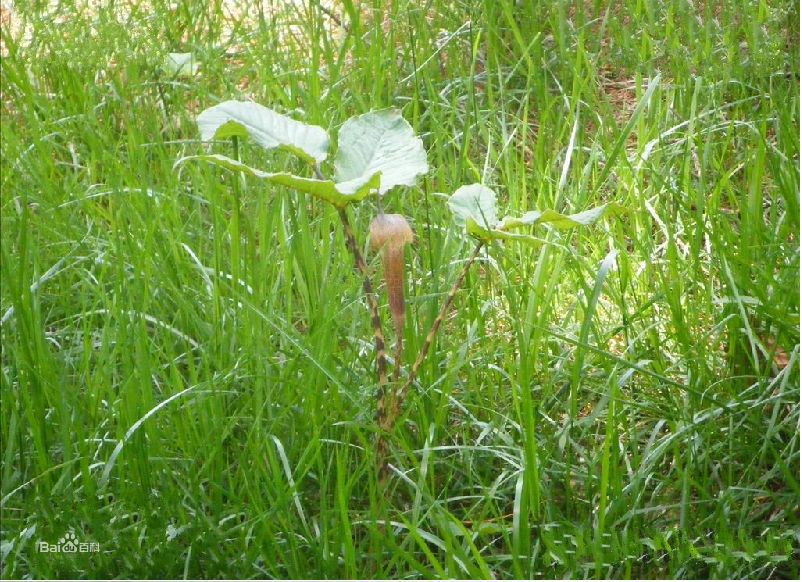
[{"x": 376, "y": 152}]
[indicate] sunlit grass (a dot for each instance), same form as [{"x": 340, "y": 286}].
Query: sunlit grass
[{"x": 210, "y": 352}]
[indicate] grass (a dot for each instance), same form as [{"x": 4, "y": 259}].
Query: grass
[{"x": 187, "y": 370}]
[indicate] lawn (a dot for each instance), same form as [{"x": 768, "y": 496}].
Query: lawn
[{"x": 189, "y": 383}]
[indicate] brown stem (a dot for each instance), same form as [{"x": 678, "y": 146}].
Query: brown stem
[
  {"x": 378, "y": 334},
  {"x": 390, "y": 416}
]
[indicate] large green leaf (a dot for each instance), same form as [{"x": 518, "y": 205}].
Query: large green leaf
[
  {"x": 474, "y": 207},
  {"x": 324, "y": 189},
  {"x": 474, "y": 202},
  {"x": 379, "y": 141},
  {"x": 268, "y": 128}
]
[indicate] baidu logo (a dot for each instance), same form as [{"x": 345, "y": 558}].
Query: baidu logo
[{"x": 68, "y": 544}]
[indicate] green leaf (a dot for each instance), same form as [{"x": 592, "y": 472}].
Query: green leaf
[
  {"x": 528, "y": 219},
  {"x": 180, "y": 64},
  {"x": 266, "y": 127},
  {"x": 477, "y": 231},
  {"x": 561, "y": 221},
  {"x": 474, "y": 207},
  {"x": 324, "y": 189},
  {"x": 378, "y": 142},
  {"x": 474, "y": 202}
]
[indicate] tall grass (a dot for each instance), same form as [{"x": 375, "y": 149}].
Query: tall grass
[{"x": 187, "y": 369}]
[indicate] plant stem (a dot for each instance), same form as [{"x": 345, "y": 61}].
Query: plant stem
[
  {"x": 399, "y": 356},
  {"x": 390, "y": 411},
  {"x": 378, "y": 334},
  {"x": 362, "y": 267}
]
